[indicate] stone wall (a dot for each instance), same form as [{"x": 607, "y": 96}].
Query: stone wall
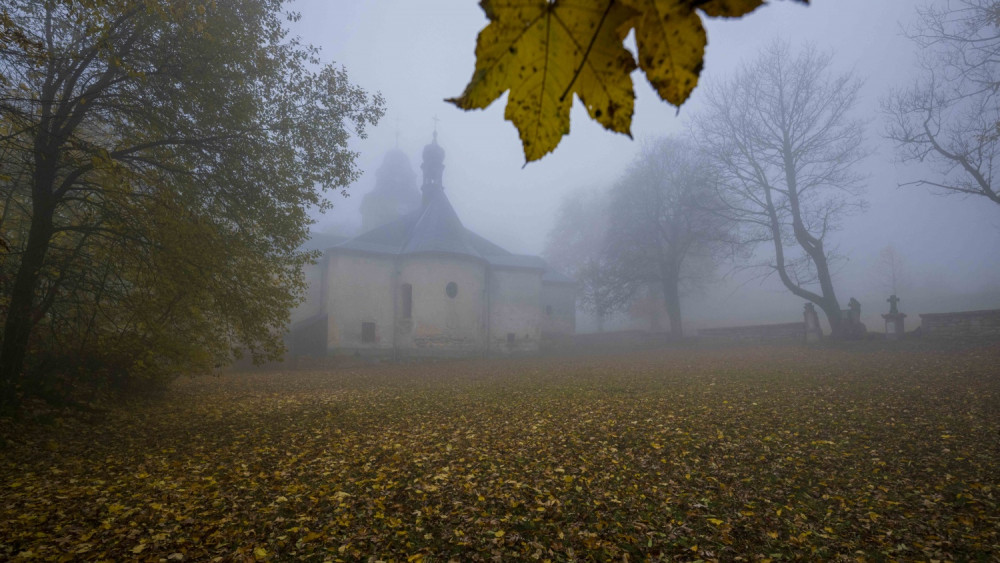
[
  {"x": 308, "y": 337},
  {"x": 515, "y": 316},
  {"x": 312, "y": 305},
  {"x": 361, "y": 292},
  {"x": 558, "y": 309},
  {"x": 443, "y": 324},
  {"x": 783, "y": 331},
  {"x": 963, "y": 325}
]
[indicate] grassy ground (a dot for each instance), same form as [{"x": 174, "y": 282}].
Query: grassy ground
[{"x": 761, "y": 453}]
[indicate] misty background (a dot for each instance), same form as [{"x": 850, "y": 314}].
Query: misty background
[{"x": 419, "y": 53}]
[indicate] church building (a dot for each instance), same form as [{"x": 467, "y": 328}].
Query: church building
[{"x": 416, "y": 282}]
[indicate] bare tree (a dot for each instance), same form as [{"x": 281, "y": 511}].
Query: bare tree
[
  {"x": 662, "y": 229},
  {"x": 780, "y": 134},
  {"x": 573, "y": 247},
  {"x": 890, "y": 270},
  {"x": 579, "y": 229},
  {"x": 950, "y": 117}
]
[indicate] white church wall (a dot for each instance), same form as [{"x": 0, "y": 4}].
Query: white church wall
[
  {"x": 312, "y": 303},
  {"x": 360, "y": 291},
  {"x": 558, "y": 309},
  {"x": 442, "y": 324},
  {"x": 515, "y": 316}
]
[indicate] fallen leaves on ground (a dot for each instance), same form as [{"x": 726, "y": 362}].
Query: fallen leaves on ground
[{"x": 767, "y": 453}]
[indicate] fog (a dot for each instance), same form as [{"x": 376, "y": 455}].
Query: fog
[{"x": 419, "y": 53}]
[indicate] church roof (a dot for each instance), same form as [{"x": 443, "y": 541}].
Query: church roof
[
  {"x": 435, "y": 228},
  {"x": 438, "y": 229},
  {"x": 552, "y": 276},
  {"x": 395, "y": 178},
  {"x": 321, "y": 241}
]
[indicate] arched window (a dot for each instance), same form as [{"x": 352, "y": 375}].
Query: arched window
[
  {"x": 451, "y": 289},
  {"x": 407, "y": 301}
]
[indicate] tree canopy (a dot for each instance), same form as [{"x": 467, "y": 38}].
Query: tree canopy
[
  {"x": 950, "y": 116},
  {"x": 663, "y": 226},
  {"x": 158, "y": 160}
]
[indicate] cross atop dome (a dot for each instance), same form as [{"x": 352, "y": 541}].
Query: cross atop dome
[{"x": 433, "y": 167}]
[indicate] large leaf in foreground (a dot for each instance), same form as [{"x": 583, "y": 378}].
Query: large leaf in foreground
[{"x": 544, "y": 53}]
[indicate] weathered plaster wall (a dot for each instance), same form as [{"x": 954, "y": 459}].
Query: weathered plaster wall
[
  {"x": 515, "y": 296},
  {"x": 443, "y": 325},
  {"x": 558, "y": 309},
  {"x": 360, "y": 291},
  {"x": 963, "y": 325},
  {"x": 312, "y": 304}
]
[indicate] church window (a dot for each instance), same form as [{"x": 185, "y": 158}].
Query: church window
[
  {"x": 451, "y": 289},
  {"x": 407, "y": 301},
  {"x": 367, "y": 333}
]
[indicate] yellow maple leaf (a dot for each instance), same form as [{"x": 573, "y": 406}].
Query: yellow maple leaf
[
  {"x": 544, "y": 52},
  {"x": 671, "y": 40}
]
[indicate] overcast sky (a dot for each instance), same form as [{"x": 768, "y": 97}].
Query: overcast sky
[{"x": 418, "y": 52}]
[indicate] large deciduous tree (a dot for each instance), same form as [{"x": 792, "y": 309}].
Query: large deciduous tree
[
  {"x": 574, "y": 244},
  {"x": 158, "y": 158},
  {"x": 950, "y": 116},
  {"x": 781, "y": 137},
  {"x": 663, "y": 227}
]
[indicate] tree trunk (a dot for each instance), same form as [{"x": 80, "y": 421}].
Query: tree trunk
[
  {"x": 17, "y": 328},
  {"x": 655, "y": 323},
  {"x": 832, "y": 311},
  {"x": 813, "y": 246},
  {"x": 672, "y": 300}
]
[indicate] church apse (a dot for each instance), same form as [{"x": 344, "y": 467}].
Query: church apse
[{"x": 422, "y": 284}]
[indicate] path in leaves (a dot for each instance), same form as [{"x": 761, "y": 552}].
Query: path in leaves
[{"x": 745, "y": 453}]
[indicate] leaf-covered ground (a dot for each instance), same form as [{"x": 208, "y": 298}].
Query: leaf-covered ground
[{"x": 732, "y": 454}]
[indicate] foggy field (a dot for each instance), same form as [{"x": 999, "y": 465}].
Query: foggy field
[{"x": 759, "y": 453}]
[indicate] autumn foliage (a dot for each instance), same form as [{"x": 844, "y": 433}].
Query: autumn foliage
[{"x": 734, "y": 454}]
